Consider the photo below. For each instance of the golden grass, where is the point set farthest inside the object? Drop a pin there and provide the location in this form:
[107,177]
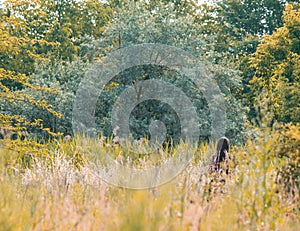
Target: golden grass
[57,193]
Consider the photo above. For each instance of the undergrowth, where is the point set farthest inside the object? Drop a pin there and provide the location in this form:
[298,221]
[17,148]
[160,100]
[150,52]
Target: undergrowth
[53,187]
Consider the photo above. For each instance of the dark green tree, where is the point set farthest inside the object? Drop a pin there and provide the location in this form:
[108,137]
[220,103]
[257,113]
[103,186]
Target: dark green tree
[134,23]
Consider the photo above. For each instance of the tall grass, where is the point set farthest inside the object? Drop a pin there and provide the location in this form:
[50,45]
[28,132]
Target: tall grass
[59,191]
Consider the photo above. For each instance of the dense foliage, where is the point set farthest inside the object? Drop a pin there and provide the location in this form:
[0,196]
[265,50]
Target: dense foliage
[251,48]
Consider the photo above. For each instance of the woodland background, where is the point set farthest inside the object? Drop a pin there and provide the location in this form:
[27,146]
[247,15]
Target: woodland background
[252,47]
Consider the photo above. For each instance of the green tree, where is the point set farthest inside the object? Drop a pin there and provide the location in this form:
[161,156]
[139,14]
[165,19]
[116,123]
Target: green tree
[237,26]
[32,33]
[135,23]
[16,63]
[62,25]
[276,65]
[63,76]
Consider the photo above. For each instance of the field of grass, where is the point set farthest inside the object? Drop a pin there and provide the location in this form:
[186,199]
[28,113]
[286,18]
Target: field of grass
[57,190]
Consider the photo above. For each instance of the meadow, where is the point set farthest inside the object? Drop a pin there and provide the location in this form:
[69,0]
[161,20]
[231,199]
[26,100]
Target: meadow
[55,189]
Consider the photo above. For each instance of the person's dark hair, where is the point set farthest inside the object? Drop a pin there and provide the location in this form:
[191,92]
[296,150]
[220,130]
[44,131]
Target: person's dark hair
[221,155]
[222,149]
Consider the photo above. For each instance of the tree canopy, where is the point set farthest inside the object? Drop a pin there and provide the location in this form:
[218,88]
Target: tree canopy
[250,47]
[276,65]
